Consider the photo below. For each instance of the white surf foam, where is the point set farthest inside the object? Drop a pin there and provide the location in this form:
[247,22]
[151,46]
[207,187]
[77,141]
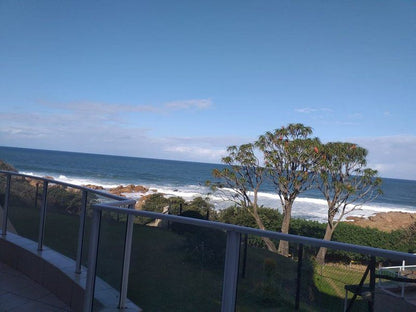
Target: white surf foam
[303,207]
[74,180]
[84,181]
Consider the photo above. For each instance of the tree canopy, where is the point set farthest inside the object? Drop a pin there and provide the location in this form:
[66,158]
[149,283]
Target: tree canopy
[241,181]
[345,182]
[289,156]
[295,161]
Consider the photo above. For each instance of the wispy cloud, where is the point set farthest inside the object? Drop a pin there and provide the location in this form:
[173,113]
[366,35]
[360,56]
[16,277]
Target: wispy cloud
[356,116]
[108,108]
[101,128]
[197,152]
[209,149]
[113,109]
[310,110]
[188,104]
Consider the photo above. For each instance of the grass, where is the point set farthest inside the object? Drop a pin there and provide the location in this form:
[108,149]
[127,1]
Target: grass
[330,280]
[177,272]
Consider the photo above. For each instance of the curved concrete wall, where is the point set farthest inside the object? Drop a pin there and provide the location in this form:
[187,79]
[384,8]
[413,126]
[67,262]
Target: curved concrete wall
[56,273]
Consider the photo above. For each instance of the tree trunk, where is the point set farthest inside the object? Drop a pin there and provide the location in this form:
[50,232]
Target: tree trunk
[320,256]
[269,243]
[284,245]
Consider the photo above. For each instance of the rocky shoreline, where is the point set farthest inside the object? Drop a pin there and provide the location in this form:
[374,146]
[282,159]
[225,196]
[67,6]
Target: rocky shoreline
[121,190]
[383,221]
[386,221]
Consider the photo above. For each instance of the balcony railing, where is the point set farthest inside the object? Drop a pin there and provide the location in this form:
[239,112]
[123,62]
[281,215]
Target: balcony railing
[124,207]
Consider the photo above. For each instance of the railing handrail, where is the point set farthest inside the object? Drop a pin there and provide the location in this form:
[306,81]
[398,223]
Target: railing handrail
[53,181]
[397,267]
[316,242]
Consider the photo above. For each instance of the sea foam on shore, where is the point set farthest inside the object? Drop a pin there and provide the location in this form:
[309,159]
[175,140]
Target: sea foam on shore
[304,207]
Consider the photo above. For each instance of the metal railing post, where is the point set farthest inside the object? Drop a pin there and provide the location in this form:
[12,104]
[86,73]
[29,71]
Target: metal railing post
[126,260]
[6,206]
[372,283]
[232,255]
[299,276]
[43,215]
[81,231]
[243,271]
[92,260]
[36,195]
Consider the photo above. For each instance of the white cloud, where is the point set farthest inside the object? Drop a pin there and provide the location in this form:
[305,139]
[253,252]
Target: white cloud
[310,110]
[305,110]
[108,108]
[87,107]
[188,104]
[197,152]
[392,156]
[102,128]
[356,116]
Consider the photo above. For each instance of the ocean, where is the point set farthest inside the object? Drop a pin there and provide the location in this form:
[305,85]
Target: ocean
[185,179]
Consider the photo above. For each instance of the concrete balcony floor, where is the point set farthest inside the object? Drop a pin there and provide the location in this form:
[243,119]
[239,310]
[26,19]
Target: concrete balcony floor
[19,293]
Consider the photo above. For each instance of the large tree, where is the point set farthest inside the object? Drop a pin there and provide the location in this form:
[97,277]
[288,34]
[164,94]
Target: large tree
[345,182]
[240,182]
[289,155]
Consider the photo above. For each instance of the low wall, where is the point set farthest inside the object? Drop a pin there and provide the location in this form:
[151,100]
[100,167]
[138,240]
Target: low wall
[56,273]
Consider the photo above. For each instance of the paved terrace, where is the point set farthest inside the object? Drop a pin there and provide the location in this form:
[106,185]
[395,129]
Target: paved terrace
[46,279]
[19,293]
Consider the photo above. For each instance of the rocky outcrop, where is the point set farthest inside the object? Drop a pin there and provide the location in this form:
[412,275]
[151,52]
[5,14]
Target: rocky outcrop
[128,189]
[94,187]
[6,167]
[386,221]
[34,182]
[38,182]
[140,202]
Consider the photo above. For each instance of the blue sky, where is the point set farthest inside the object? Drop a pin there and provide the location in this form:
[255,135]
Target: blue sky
[185,79]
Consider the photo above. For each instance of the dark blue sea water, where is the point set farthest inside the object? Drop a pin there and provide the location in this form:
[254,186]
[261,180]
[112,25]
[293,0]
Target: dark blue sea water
[181,178]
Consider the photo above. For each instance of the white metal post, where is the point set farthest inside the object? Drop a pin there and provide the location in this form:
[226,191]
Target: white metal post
[126,260]
[6,206]
[43,215]
[232,255]
[81,231]
[403,284]
[92,260]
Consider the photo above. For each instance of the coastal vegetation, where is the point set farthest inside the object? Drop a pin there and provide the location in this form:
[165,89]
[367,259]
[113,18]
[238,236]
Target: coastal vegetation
[347,232]
[294,162]
[400,239]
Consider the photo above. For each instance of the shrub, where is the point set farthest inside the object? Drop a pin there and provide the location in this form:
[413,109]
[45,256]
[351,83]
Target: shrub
[203,206]
[155,202]
[65,200]
[6,167]
[182,228]
[203,246]
[176,205]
